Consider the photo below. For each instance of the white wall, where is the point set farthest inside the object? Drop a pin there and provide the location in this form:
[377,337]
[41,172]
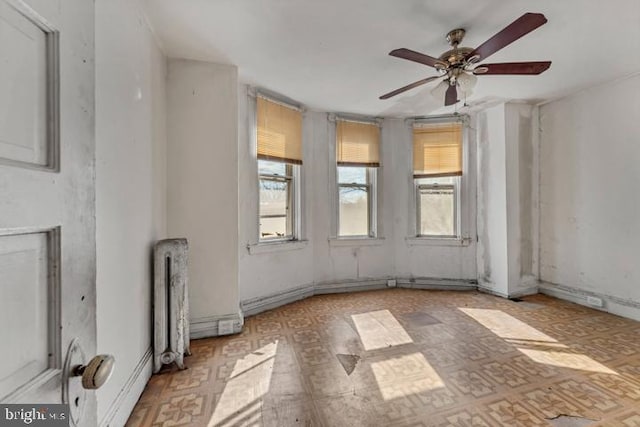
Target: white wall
[353,262]
[493,271]
[202,132]
[321,261]
[275,272]
[506,199]
[316,262]
[520,187]
[130,195]
[589,183]
[412,258]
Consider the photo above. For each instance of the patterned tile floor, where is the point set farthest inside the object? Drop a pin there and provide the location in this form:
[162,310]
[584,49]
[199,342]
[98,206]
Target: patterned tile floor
[422,358]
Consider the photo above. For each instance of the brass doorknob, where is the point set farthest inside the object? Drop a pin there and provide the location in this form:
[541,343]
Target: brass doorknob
[97,372]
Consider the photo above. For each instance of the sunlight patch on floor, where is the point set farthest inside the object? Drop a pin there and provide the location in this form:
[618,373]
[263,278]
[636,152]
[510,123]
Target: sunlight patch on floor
[505,326]
[380,329]
[405,375]
[518,333]
[240,401]
[566,360]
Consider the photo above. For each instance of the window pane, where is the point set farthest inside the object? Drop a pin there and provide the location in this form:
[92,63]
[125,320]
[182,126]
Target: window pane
[352,175]
[441,180]
[354,211]
[266,167]
[273,209]
[437,211]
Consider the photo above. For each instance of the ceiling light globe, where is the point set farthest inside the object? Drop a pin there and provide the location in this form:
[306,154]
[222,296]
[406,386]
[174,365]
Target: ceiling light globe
[439,91]
[466,82]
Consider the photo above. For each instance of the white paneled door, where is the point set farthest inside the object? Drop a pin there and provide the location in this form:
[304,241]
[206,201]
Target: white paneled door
[47,207]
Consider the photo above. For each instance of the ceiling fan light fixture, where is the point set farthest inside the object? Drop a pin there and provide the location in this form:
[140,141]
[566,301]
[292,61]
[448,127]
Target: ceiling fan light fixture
[440,66]
[439,91]
[466,82]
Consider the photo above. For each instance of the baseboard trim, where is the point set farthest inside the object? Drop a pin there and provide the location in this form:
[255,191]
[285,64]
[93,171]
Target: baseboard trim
[257,305]
[530,288]
[206,327]
[484,288]
[122,406]
[349,286]
[432,283]
[614,305]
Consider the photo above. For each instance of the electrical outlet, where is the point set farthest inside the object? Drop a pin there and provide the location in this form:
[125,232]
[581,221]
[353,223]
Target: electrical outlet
[595,301]
[225,327]
[391,283]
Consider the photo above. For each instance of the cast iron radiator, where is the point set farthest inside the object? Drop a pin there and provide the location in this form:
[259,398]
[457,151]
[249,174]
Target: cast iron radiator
[170,303]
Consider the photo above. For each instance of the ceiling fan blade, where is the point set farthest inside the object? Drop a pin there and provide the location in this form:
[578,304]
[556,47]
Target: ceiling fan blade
[512,32]
[537,67]
[408,87]
[451,97]
[414,56]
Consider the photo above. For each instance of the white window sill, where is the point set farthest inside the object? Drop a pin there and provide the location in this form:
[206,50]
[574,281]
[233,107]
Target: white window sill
[277,246]
[356,241]
[435,241]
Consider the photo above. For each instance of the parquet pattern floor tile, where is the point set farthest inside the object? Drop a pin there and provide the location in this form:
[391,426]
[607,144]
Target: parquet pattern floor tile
[422,358]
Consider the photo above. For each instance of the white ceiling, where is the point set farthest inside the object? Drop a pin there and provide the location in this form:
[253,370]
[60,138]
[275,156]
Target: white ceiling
[332,55]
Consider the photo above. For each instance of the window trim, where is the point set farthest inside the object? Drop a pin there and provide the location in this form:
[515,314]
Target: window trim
[372,177]
[291,176]
[299,211]
[276,246]
[355,241]
[288,178]
[456,187]
[332,184]
[465,204]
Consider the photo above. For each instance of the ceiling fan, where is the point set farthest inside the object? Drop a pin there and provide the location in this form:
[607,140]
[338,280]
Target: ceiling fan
[458,67]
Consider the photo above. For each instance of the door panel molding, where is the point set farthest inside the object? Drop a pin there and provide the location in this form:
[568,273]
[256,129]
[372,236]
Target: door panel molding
[40,150]
[29,256]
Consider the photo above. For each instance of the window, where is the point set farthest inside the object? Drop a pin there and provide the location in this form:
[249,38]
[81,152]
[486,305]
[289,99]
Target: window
[276,200]
[355,201]
[279,139]
[358,159]
[437,206]
[437,171]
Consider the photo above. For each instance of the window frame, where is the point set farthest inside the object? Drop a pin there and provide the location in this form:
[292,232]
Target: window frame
[461,200]
[290,179]
[297,239]
[371,187]
[456,208]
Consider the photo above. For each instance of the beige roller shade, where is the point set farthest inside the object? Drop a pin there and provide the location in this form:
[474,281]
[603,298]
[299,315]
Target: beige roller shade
[279,132]
[357,144]
[437,150]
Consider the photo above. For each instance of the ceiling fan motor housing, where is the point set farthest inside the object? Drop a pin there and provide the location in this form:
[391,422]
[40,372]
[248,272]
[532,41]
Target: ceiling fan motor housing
[456,56]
